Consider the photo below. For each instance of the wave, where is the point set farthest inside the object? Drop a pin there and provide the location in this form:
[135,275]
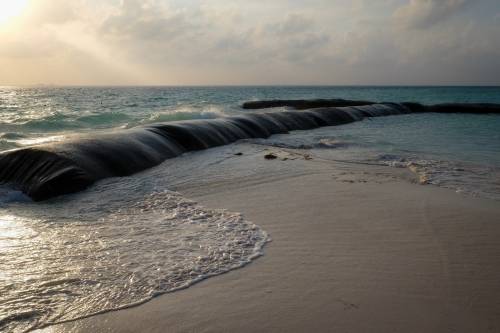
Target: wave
[49,170]
[63,122]
[99,119]
[117,260]
[466,178]
[12,136]
[183,114]
[52,122]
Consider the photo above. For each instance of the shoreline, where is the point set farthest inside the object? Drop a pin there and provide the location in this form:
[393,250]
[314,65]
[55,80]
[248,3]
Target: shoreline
[354,249]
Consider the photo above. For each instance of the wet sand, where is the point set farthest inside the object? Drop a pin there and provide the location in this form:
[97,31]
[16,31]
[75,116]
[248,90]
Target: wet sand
[349,253]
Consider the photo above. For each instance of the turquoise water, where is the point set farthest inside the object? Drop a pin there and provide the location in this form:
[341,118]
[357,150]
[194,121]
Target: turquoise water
[37,111]
[456,151]
[125,240]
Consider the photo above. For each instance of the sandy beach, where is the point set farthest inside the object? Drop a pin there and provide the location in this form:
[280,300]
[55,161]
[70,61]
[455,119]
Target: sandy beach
[354,249]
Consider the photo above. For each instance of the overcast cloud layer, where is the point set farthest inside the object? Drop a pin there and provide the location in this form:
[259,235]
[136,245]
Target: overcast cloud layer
[177,42]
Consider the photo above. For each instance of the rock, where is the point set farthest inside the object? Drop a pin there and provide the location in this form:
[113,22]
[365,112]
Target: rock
[303,104]
[270,156]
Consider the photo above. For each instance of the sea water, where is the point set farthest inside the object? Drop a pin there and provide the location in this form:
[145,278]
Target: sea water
[125,240]
[458,151]
[34,115]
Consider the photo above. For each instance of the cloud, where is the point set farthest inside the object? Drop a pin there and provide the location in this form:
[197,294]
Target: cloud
[44,12]
[292,24]
[138,22]
[257,42]
[422,14]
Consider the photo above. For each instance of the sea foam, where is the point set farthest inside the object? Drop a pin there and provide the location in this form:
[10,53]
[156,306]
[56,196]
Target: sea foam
[70,261]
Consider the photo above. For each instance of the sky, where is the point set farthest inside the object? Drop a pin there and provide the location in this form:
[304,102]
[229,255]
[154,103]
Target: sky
[250,42]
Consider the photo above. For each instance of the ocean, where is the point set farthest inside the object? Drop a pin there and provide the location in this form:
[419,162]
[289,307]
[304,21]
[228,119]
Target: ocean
[125,240]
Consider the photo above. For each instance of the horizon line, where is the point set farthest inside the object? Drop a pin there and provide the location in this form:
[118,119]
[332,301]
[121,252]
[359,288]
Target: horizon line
[43,85]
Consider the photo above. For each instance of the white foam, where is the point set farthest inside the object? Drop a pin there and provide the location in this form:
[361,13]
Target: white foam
[86,259]
[184,113]
[464,178]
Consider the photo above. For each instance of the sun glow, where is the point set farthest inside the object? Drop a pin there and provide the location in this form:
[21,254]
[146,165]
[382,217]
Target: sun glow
[11,8]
